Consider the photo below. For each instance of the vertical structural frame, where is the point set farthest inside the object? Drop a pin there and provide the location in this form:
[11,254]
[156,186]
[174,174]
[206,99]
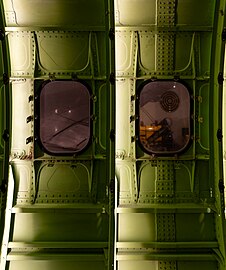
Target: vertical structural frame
[215,117]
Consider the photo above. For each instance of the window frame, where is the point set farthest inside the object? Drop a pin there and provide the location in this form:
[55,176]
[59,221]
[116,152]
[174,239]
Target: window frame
[139,87]
[39,85]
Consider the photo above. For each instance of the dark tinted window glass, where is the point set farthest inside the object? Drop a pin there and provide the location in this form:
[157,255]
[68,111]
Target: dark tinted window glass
[64,117]
[164,117]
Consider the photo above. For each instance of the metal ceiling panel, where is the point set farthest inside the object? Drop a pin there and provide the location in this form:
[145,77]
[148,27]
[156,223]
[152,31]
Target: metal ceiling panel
[82,13]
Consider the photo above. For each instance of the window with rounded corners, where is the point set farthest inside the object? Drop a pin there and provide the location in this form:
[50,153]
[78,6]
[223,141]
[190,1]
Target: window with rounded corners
[164,117]
[64,117]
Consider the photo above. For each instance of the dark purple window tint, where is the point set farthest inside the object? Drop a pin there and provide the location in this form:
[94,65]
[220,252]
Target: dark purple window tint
[64,117]
[164,117]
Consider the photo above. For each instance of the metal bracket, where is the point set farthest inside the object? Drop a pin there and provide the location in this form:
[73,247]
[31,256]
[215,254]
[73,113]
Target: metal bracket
[111,34]
[112,186]
[134,138]
[112,135]
[221,186]
[219,135]
[29,140]
[133,118]
[30,98]
[112,78]
[30,118]
[223,34]
[134,97]
[220,78]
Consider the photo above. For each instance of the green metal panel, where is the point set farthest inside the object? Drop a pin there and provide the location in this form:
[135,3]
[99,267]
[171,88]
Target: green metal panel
[61,227]
[60,208]
[55,13]
[165,201]
[70,265]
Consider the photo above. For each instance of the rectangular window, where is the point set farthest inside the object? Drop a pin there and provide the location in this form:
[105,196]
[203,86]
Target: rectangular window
[164,117]
[64,120]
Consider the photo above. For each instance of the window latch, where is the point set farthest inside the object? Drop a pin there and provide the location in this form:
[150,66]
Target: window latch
[29,140]
[30,118]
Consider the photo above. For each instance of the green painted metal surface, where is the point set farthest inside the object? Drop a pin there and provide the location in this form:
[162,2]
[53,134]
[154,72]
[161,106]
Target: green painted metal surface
[166,200]
[114,205]
[61,205]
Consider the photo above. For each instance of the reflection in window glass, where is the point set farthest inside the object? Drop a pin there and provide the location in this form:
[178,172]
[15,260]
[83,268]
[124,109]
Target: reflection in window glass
[164,117]
[64,117]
